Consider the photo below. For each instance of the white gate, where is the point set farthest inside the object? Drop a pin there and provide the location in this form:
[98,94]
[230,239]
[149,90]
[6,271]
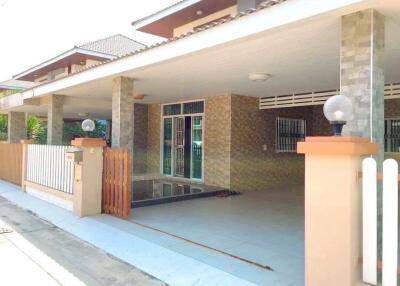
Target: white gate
[47,166]
[390,206]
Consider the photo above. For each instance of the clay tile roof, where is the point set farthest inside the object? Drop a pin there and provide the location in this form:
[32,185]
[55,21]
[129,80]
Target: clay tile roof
[116,45]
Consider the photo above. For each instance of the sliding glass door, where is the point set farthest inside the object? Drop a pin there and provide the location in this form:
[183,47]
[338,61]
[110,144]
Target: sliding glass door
[182,141]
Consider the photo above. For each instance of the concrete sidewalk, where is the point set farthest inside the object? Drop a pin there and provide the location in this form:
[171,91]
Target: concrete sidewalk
[144,249]
[36,252]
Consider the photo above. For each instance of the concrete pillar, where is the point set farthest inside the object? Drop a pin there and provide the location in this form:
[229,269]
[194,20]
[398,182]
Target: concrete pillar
[333,208]
[55,120]
[362,74]
[16,127]
[88,176]
[122,112]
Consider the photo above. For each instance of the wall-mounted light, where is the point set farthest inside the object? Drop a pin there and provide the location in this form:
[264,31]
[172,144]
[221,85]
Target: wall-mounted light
[338,110]
[259,77]
[138,96]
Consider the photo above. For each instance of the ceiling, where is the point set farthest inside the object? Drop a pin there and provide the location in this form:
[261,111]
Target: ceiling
[303,57]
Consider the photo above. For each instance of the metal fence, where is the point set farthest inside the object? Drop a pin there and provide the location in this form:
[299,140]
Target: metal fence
[47,166]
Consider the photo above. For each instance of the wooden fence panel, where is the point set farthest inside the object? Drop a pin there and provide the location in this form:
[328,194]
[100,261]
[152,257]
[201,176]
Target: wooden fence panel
[117,177]
[11,163]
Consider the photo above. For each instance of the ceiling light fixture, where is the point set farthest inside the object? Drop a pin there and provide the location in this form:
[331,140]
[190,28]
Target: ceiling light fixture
[138,96]
[259,77]
[199,12]
[83,114]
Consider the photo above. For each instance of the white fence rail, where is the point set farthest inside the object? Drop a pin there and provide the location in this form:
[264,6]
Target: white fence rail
[46,166]
[390,222]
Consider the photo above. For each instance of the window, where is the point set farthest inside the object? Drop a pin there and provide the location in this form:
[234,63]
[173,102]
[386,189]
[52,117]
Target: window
[392,135]
[192,107]
[288,133]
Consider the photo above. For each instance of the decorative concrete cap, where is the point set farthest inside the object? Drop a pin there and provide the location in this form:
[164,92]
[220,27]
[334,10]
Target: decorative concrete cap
[88,142]
[337,145]
[27,141]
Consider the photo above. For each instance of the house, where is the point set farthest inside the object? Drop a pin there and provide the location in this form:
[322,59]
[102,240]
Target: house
[72,61]
[222,82]
[226,97]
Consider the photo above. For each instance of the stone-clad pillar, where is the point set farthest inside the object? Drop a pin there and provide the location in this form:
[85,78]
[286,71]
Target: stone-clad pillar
[122,112]
[16,127]
[55,120]
[362,74]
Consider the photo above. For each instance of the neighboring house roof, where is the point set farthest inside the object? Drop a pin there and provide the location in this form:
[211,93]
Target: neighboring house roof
[104,49]
[116,45]
[13,84]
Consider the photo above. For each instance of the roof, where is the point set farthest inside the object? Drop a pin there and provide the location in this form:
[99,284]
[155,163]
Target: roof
[164,12]
[267,4]
[104,49]
[116,45]
[16,84]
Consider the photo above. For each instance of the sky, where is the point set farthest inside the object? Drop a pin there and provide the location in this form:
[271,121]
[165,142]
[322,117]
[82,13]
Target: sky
[32,31]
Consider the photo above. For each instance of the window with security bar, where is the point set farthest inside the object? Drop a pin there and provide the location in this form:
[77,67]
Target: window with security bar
[392,135]
[288,132]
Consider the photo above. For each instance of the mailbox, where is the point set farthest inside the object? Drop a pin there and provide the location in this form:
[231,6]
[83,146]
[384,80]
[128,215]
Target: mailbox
[74,154]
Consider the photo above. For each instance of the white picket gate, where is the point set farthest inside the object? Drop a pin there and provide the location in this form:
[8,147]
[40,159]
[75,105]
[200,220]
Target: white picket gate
[47,166]
[390,222]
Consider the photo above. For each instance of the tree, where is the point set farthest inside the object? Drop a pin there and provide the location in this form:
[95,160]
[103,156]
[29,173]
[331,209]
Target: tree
[3,127]
[36,129]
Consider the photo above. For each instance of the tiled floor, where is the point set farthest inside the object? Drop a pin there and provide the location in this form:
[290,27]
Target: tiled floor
[264,227]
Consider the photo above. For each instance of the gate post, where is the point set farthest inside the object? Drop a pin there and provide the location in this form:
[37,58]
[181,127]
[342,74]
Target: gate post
[88,177]
[24,162]
[333,208]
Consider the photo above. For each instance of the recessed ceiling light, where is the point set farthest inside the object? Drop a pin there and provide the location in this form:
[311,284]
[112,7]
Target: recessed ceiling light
[259,77]
[82,63]
[199,12]
[83,114]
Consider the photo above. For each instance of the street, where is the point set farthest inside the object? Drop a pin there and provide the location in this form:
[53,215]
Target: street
[46,255]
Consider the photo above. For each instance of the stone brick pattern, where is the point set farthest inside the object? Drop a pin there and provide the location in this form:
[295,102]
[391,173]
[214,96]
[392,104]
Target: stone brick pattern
[392,108]
[16,127]
[217,140]
[122,115]
[153,138]
[253,168]
[140,133]
[55,121]
[362,75]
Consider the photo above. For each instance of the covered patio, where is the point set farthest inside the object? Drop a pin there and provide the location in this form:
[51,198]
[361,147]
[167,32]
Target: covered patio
[266,229]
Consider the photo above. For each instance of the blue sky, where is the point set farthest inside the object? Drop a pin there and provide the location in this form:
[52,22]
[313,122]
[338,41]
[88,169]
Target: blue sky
[33,31]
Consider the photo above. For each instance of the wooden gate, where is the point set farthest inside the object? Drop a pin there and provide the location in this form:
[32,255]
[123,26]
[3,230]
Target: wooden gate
[11,163]
[117,181]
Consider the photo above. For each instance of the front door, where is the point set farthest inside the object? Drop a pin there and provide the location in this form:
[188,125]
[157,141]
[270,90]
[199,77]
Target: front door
[183,146]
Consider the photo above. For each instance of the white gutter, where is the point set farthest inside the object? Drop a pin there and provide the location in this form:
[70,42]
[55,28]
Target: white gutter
[273,17]
[163,13]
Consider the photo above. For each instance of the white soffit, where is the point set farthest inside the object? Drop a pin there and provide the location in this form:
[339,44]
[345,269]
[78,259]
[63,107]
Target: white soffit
[273,17]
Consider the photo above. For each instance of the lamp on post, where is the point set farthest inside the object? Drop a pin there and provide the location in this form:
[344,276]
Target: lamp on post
[338,110]
[88,125]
